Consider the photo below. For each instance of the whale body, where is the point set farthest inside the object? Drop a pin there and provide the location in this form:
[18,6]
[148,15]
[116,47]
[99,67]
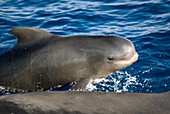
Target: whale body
[42,60]
[73,102]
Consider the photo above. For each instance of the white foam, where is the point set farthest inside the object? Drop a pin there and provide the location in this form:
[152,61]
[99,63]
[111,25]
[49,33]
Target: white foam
[114,83]
[2,88]
[147,71]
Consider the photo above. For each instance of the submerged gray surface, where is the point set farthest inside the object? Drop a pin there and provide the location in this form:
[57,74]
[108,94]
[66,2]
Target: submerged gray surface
[74,102]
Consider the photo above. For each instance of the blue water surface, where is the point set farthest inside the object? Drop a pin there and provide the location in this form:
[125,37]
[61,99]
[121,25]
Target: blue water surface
[145,22]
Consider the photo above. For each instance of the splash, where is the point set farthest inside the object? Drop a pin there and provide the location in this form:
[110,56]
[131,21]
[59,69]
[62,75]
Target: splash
[118,82]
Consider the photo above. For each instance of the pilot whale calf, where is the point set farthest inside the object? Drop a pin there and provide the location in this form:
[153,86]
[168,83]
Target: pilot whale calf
[42,60]
[74,102]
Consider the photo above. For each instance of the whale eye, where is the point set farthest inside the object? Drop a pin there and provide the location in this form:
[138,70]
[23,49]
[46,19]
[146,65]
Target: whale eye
[110,59]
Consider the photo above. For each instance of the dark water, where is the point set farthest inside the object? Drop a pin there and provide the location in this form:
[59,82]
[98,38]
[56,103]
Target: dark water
[146,23]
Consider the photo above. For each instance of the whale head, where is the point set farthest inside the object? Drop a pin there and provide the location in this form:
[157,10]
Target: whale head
[107,54]
[103,54]
[121,53]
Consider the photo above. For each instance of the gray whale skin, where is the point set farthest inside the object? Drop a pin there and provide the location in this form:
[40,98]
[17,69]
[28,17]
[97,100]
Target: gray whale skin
[42,60]
[74,102]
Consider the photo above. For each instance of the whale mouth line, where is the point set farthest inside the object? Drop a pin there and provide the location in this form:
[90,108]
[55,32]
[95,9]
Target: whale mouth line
[121,64]
[133,59]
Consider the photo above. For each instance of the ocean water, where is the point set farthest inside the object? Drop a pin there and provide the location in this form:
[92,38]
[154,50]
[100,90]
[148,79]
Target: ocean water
[145,22]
